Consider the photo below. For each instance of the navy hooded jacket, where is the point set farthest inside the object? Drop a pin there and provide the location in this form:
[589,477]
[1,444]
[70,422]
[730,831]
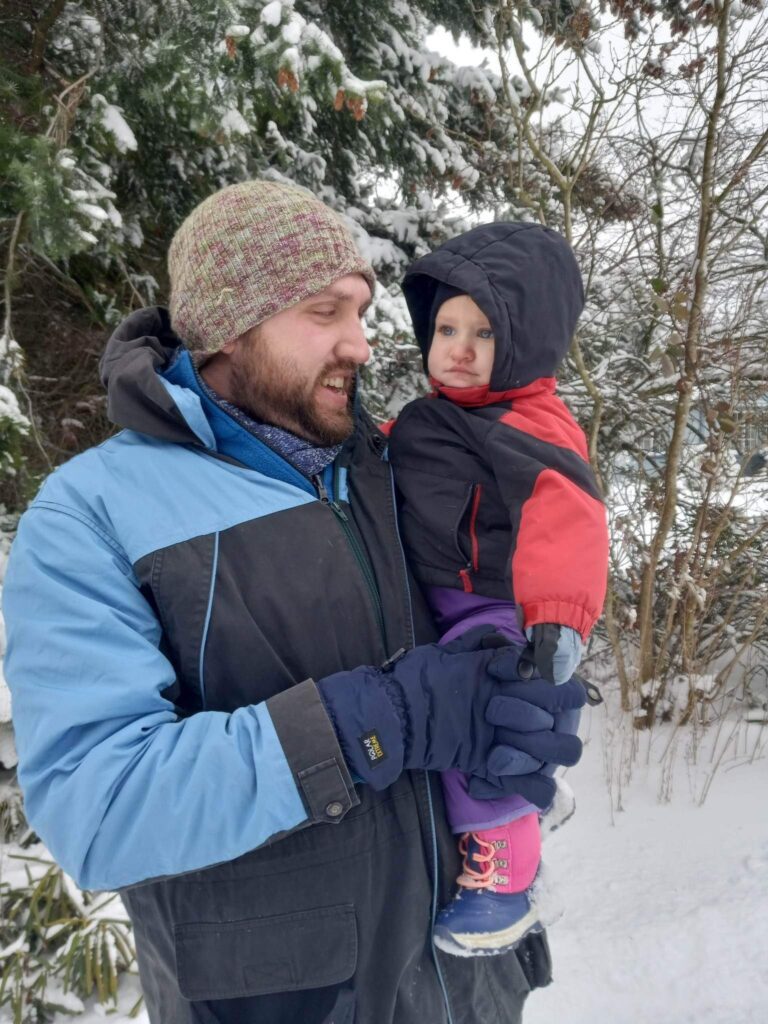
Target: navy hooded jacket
[497,496]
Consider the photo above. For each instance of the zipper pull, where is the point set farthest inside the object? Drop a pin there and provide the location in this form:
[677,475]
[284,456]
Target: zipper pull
[393,660]
[339,511]
[466,578]
[322,494]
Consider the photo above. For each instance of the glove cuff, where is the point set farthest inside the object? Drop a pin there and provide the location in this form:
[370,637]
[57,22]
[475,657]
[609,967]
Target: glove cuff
[368,720]
[563,612]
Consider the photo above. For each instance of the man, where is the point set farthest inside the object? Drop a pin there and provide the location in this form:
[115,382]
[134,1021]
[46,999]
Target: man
[171,599]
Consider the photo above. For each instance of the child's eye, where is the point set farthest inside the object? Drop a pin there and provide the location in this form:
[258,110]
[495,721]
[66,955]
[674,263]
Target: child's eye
[446,330]
[486,333]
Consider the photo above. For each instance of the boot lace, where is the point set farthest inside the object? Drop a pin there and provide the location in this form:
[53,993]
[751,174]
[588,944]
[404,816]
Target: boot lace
[485,854]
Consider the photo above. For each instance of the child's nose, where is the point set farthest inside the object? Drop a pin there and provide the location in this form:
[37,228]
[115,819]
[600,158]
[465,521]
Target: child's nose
[463,351]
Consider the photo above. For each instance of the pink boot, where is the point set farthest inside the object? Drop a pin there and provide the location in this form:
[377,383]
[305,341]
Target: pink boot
[492,910]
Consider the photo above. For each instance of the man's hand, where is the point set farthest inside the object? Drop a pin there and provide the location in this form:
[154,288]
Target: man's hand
[455,706]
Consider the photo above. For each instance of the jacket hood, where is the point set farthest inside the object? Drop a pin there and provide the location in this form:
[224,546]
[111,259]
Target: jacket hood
[137,399]
[524,278]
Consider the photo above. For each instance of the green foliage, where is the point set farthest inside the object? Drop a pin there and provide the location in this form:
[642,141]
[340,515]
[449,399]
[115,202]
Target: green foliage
[12,437]
[60,946]
[14,425]
[138,111]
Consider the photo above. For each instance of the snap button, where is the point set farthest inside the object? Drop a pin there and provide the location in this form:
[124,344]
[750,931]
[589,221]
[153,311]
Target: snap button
[334,809]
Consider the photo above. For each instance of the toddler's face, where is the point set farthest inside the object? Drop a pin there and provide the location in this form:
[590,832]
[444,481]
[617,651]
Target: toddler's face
[461,354]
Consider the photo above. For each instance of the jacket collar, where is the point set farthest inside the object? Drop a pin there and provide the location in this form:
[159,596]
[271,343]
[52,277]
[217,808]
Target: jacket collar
[153,388]
[472,398]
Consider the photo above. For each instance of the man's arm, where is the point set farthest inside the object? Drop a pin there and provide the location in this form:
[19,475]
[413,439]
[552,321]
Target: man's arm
[117,785]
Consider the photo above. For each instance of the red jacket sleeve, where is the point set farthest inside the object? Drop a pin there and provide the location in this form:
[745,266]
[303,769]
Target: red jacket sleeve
[560,555]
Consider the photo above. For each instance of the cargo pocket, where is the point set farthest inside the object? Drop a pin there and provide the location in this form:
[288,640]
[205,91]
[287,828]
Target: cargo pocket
[310,949]
[511,977]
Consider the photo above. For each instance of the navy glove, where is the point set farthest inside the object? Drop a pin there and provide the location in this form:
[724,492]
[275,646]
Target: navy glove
[555,650]
[426,708]
[516,769]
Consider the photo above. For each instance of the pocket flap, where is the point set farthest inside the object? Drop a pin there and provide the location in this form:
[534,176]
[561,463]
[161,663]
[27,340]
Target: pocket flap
[225,960]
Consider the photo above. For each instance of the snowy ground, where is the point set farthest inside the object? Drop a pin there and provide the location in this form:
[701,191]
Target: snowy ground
[666,899]
[666,902]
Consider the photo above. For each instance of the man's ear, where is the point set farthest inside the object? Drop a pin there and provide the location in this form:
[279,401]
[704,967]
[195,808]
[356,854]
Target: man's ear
[214,366]
[246,338]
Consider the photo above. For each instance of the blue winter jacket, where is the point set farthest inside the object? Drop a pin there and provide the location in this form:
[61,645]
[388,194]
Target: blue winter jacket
[169,598]
[107,736]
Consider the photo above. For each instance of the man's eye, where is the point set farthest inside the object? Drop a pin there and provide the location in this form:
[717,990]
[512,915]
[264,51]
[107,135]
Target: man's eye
[324,312]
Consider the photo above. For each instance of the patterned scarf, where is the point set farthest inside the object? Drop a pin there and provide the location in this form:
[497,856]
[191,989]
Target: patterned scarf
[310,459]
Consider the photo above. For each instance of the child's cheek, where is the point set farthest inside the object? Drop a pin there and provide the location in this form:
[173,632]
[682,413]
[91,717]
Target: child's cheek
[433,364]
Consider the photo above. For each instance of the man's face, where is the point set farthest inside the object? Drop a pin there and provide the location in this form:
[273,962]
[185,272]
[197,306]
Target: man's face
[297,369]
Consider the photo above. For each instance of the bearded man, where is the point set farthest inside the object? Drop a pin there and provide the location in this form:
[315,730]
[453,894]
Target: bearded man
[226,698]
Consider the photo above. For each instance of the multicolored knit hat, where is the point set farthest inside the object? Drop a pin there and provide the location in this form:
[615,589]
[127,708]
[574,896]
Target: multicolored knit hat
[250,251]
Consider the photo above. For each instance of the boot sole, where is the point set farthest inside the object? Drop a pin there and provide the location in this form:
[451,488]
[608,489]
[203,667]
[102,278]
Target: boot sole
[488,943]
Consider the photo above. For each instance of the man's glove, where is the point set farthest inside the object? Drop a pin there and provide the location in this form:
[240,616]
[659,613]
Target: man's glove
[555,650]
[452,706]
[529,777]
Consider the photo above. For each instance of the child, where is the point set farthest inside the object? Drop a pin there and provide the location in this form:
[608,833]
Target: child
[501,518]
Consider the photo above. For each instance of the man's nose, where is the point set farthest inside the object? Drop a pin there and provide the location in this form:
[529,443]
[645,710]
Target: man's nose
[353,344]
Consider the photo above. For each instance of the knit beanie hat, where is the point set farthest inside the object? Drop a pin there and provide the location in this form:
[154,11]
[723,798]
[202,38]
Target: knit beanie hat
[250,251]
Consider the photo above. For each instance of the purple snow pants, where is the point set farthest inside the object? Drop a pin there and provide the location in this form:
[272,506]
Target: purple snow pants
[455,612]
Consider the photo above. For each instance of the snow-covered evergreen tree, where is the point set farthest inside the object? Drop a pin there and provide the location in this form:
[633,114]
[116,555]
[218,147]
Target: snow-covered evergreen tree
[125,116]
[120,119]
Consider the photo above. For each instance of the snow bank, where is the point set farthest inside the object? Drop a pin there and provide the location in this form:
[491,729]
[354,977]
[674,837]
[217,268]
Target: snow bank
[665,902]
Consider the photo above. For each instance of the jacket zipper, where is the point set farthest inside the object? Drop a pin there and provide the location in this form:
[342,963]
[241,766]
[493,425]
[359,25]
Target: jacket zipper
[357,551]
[473,539]
[465,574]
[430,807]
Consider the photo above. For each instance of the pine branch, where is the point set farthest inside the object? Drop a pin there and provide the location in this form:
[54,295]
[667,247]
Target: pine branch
[40,39]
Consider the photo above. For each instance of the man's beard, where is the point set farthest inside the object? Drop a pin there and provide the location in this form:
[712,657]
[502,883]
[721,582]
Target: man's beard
[272,391]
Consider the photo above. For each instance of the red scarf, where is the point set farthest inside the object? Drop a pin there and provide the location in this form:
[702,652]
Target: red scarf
[471,398]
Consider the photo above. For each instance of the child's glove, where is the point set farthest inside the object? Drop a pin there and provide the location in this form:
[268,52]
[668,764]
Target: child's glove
[556,650]
[522,766]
